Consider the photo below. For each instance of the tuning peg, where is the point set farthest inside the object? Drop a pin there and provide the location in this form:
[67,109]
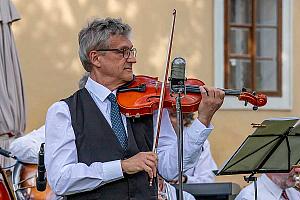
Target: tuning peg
[254,93]
[255,108]
[246,103]
[244,89]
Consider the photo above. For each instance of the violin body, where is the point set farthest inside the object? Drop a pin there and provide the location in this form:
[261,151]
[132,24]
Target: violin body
[143,93]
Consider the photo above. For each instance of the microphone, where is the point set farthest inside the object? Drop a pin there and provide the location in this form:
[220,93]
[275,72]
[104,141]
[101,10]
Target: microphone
[41,181]
[7,154]
[177,77]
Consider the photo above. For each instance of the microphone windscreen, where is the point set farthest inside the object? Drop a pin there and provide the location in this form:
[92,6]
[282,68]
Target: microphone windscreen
[178,68]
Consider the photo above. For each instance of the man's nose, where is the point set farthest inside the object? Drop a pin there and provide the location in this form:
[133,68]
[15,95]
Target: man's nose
[131,59]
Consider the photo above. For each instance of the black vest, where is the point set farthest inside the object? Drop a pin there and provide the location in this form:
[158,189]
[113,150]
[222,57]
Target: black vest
[96,142]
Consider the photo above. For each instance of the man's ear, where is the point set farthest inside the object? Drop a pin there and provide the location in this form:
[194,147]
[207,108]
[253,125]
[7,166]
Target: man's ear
[94,58]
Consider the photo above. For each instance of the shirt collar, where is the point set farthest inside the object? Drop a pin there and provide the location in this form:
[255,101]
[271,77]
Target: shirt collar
[271,186]
[100,91]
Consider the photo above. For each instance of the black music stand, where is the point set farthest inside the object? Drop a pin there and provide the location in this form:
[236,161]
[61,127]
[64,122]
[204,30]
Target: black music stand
[273,147]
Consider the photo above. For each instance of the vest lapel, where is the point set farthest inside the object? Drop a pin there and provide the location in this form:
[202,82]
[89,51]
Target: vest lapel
[101,119]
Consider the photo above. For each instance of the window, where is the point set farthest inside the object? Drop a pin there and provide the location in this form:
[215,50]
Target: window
[252,48]
[252,45]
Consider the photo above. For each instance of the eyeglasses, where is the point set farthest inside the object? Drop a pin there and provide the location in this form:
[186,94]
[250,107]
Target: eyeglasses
[126,52]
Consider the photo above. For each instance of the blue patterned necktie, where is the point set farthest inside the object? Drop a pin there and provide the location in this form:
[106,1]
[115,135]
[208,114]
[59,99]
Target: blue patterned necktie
[116,121]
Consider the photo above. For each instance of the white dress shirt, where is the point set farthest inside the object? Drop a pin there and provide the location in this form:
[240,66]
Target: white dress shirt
[194,138]
[198,163]
[26,148]
[67,176]
[266,190]
[202,172]
[171,193]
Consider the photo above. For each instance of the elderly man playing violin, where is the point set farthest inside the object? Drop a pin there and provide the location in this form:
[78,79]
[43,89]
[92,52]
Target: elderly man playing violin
[92,150]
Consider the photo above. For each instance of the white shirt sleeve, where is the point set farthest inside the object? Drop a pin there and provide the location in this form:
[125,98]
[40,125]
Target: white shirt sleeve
[26,148]
[202,172]
[65,174]
[172,193]
[194,138]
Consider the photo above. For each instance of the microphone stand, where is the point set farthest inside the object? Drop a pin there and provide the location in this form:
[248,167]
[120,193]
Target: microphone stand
[180,141]
[177,87]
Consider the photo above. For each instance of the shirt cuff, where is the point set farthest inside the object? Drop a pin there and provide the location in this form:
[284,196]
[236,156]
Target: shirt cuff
[112,170]
[198,132]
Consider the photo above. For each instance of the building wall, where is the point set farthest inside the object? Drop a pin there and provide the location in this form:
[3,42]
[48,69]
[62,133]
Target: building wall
[46,38]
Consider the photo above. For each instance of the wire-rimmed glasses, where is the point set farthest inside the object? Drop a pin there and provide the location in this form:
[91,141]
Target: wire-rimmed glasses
[125,52]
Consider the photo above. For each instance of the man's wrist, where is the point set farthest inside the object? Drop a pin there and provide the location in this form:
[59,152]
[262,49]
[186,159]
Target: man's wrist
[204,121]
[123,162]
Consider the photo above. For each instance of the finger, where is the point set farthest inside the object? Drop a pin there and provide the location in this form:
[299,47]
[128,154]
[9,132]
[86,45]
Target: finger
[203,91]
[152,166]
[210,92]
[152,158]
[148,170]
[150,163]
[219,94]
[150,153]
[154,171]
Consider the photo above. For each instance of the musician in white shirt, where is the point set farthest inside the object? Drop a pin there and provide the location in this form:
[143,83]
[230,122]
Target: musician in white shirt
[202,172]
[108,54]
[272,186]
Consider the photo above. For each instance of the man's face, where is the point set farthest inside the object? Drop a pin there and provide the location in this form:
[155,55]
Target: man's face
[187,118]
[283,180]
[114,69]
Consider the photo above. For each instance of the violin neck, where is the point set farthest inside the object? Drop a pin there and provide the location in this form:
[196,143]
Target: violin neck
[195,89]
[231,92]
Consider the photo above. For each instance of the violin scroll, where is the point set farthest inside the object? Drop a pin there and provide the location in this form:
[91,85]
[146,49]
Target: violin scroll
[258,100]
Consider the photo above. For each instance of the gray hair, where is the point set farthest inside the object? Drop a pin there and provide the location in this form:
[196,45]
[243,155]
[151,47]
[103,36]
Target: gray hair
[95,36]
[83,80]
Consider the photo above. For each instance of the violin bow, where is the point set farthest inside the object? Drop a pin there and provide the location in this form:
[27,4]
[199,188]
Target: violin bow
[163,88]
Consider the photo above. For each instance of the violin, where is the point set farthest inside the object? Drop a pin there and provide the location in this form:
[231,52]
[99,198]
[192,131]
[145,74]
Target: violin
[141,96]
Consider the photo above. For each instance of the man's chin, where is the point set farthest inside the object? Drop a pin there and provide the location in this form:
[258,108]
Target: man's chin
[129,77]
